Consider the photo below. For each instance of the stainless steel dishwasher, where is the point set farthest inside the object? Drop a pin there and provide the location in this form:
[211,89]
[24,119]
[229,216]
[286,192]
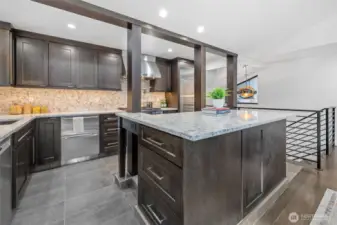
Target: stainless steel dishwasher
[79,139]
[5,182]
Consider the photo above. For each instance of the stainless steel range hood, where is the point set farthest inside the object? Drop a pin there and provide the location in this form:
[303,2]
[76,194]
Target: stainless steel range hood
[150,69]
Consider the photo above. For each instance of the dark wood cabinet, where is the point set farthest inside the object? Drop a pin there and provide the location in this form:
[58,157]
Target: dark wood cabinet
[22,155]
[109,134]
[5,57]
[62,65]
[87,68]
[162,84]
[31,62]
[110,67]
[48,151]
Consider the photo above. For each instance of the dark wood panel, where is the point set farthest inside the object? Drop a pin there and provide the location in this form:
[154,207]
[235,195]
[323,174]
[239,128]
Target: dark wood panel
[212,180]
[5,57]
[274,154]
[252,167]
[173,96]
[31,62]
[109,71]
[164,144]
[62,65]
[87,68]
[158,171]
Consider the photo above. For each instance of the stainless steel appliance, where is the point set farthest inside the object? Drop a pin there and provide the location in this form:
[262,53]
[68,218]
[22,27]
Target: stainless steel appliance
[5,182]
[186,71]
[79,139]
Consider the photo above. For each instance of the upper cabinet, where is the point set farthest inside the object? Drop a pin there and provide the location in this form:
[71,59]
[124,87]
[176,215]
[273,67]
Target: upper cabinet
[43,61]
[162,84]
[5,57]
[62,65]
[87,69]
[31,62]
[110,68]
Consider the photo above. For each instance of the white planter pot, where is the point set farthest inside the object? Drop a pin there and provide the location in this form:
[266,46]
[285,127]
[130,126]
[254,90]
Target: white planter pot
[218,103]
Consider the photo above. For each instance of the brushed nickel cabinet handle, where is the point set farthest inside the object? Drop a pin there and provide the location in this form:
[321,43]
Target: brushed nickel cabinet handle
[112,129]
[160,221]
[154,142]
[150,169]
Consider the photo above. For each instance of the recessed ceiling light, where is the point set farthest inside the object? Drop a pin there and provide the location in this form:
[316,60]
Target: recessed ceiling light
[169,50]
[71,26]
[163,13]
[201,29]
[184,38]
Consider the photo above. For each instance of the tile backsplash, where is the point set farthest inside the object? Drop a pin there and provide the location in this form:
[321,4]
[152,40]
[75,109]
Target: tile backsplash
[64,100]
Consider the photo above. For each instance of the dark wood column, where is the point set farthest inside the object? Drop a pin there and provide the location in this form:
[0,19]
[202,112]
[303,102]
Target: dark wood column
[134,68]
[232,76]
[199,78]
[128,140]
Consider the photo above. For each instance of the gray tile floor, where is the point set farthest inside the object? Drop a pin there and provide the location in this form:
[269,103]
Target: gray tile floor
[81,194]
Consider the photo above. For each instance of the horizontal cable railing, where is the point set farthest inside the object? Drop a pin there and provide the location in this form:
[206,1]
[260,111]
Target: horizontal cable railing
[310,134]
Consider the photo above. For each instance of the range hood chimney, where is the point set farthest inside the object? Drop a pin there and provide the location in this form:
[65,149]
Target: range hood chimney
[149,68]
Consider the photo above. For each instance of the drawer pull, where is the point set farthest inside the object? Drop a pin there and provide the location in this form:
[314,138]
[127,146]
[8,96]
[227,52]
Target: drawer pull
[112,129]
[155,174]
[114,143]
[160,221]
[110,118]
[155,142]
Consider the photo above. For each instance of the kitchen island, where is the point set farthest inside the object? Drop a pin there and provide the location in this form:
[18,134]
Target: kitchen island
[197,169]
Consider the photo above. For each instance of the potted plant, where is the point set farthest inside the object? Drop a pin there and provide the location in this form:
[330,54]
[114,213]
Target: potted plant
[218,96]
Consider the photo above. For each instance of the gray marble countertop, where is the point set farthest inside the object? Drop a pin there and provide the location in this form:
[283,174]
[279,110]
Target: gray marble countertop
[196,126]
[22,120]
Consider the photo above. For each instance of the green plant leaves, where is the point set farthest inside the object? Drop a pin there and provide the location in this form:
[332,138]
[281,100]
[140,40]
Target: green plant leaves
[218,93]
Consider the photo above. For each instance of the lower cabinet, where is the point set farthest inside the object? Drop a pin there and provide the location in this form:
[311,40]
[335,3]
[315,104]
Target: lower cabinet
[109,134]
[22,161]
[48,143]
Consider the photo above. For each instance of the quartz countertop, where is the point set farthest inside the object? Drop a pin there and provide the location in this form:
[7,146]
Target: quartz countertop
[22,120]
[196,126]
[168,109]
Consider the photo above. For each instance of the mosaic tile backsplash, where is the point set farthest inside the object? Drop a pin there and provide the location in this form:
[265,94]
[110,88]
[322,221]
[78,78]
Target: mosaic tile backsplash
[63,100]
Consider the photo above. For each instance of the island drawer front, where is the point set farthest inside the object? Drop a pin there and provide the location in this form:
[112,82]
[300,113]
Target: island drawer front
[155,208]
[166,145]
[110,118]
[162,174]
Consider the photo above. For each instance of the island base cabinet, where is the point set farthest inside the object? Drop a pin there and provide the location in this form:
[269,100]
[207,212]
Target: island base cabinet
[156,210]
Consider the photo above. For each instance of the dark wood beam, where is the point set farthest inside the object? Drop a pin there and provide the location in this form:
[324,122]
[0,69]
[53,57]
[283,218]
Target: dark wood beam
[134,68]
[102,14]
[5,25]
[232,77]
[199,78]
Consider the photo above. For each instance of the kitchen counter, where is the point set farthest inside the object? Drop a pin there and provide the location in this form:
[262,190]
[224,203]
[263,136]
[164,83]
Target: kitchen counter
[169,109]
[196,126]
[22,120]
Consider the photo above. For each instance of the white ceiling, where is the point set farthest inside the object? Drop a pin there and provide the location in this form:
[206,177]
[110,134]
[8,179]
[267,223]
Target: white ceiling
[257,30]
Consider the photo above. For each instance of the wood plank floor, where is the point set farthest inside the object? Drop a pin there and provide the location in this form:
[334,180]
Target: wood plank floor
[303,194]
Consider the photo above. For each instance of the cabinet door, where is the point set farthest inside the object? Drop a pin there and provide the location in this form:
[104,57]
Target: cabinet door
[62,65]
[6,187]
[21,167]
[31,62]
[48,141]
[162,84]
[5,57]
[109,71]
[274,154]
[252,167]
[87,68]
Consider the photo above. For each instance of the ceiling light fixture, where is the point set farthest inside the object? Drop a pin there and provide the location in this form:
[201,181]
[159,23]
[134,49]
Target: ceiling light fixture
[71,26]
[201,29]
[169,50]
[163,13]
[184,38]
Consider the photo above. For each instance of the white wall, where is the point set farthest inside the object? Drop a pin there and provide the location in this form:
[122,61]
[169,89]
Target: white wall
[305,80]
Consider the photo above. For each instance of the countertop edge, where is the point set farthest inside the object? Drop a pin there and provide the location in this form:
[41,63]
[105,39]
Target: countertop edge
[204,136]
